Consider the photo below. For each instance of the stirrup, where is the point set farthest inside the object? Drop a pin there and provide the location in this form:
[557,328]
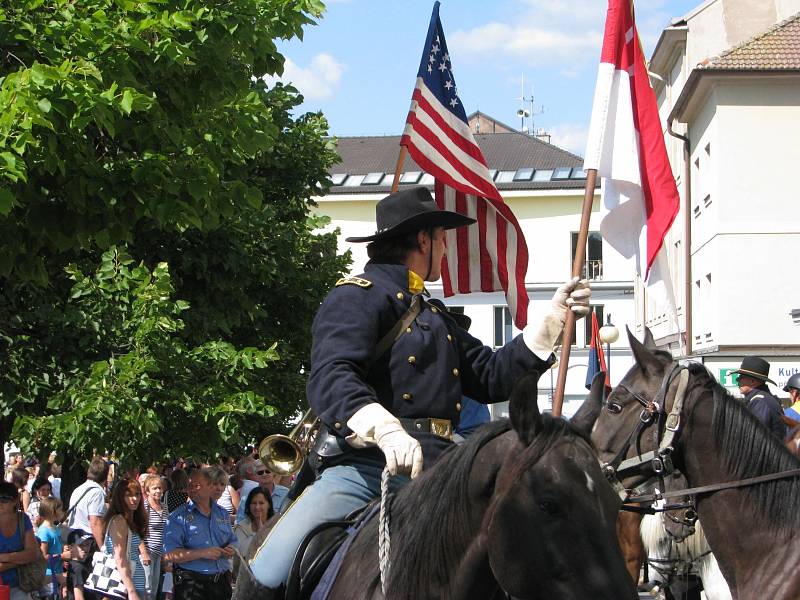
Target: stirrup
[248,588]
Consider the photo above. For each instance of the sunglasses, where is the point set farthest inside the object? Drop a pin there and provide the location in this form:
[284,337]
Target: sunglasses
[7,499]
[264,472]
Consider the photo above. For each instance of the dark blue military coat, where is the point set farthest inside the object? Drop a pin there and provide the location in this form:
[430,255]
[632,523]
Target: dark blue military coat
[767,408]
[425,372]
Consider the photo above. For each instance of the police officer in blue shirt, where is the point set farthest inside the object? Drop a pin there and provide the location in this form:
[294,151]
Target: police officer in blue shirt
[198,540]
[388,370]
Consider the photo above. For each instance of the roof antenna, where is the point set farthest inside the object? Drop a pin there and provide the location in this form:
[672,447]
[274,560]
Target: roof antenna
[524,113]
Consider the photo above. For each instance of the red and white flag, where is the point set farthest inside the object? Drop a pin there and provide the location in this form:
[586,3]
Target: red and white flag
[490,255]
[626,146]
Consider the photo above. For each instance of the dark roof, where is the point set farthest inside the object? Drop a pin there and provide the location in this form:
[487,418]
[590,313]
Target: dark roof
[777,48]
[775,51]
[503,152]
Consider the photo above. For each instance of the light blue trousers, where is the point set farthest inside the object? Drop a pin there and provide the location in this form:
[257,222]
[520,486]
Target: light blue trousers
[337,492]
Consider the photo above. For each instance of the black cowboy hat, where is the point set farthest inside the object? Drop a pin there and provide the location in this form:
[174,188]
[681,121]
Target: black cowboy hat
[754,367]
[411,210]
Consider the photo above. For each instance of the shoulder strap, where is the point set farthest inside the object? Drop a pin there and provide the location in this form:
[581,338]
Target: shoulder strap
[72,508]
[21,529]
[396,331]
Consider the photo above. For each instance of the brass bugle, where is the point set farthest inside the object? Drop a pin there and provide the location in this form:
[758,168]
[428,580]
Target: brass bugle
[284,454]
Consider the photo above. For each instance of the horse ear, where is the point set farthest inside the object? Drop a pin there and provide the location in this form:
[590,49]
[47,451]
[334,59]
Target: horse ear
[523,409]
[587,414]
[644,356]
[649,341]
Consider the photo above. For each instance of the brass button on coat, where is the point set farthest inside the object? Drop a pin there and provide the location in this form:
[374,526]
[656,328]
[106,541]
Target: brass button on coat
[337,425]
[412,360]
[400,295]
[449,338]
[434,310]
[406,396]
[455,372]
[408,329]
[458,405]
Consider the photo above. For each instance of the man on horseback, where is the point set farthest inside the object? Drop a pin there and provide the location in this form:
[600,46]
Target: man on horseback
[752,381]
[389,367]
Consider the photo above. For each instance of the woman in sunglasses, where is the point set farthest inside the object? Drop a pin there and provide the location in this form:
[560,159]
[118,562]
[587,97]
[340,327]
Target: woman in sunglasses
[18,546]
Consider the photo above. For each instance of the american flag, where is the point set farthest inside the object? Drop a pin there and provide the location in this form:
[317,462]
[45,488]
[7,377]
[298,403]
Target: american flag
[490,255]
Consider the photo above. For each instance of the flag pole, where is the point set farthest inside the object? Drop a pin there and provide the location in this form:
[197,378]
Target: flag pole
[577,269]
[401,159]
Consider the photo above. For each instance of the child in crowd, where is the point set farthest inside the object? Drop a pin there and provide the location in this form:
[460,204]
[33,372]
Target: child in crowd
[49,536]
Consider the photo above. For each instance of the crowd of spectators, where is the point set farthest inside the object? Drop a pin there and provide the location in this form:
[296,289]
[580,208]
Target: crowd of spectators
[147,520]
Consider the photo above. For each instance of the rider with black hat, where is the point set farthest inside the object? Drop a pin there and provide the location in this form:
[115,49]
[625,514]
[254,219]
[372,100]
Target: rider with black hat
[389,367]
[753,378]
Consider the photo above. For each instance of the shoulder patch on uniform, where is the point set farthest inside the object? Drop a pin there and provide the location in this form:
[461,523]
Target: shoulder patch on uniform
[359,281]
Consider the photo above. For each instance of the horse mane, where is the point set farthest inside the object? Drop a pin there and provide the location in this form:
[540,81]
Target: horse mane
[436,508]
[749,449]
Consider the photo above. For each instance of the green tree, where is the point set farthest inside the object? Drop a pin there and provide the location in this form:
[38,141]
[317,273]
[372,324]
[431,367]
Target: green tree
[152,382]
[141,134]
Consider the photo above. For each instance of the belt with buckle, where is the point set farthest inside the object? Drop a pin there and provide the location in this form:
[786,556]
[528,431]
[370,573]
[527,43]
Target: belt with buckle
[441,427]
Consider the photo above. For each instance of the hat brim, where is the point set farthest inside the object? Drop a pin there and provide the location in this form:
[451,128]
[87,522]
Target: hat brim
[754,375]
[440,218]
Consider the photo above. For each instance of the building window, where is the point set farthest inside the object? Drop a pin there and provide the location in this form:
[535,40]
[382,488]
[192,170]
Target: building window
[587,326]
[503,326]
[593,263]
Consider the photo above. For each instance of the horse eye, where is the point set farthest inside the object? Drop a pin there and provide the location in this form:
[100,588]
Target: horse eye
[548,506]
[613,408]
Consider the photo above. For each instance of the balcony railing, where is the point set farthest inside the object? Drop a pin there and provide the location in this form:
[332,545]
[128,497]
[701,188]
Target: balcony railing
[593,269]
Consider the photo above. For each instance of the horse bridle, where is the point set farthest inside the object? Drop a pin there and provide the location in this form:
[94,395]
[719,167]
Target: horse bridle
[656,464]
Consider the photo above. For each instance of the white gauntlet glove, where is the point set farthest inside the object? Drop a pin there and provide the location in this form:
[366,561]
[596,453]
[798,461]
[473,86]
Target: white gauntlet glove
[374,425]
[574,294]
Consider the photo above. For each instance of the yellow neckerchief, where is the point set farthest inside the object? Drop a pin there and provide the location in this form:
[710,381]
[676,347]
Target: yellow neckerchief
[415,283]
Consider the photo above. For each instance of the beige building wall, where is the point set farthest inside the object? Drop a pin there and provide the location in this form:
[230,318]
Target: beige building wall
[745,223]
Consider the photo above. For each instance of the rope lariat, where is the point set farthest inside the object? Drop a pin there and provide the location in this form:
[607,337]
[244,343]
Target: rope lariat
[383,530]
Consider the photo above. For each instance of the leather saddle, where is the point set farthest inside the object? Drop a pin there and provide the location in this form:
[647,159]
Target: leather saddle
[318,549]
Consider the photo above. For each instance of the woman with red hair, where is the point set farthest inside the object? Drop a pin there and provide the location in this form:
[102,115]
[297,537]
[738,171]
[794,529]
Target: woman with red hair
[125,522]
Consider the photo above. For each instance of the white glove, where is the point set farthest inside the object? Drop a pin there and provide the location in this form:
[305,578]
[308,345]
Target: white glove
[374,425]
[574,294]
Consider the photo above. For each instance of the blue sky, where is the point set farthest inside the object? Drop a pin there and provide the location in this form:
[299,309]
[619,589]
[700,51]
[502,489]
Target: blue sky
[358,64]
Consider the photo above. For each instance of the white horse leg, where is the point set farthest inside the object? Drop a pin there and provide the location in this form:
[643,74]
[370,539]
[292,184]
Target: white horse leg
[714,584]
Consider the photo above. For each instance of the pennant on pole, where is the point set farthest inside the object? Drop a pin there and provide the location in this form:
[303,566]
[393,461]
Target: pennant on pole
[597,358]
[490,255]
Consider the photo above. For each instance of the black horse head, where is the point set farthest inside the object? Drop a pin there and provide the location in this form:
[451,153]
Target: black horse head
[550,489]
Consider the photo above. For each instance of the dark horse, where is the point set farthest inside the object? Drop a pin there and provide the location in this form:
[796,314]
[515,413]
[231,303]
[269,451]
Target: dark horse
[752,530]
[521,508]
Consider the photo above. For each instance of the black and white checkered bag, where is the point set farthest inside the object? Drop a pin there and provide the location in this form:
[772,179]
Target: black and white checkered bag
[105,578]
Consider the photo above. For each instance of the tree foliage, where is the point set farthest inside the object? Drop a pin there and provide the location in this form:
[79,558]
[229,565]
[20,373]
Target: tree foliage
[152,382]
[160,266]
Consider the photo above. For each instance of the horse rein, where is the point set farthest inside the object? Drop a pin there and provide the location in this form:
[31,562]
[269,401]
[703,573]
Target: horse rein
[658,462]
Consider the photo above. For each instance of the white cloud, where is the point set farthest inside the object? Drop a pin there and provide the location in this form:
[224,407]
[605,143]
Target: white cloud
[318,81]
[534,45]
[561,35]
[570,136]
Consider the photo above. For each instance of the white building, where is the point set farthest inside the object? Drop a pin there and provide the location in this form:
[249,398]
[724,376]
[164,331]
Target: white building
[543,185]
[727,78]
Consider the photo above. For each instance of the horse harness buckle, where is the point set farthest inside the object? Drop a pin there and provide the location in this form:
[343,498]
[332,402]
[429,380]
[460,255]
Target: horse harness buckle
[662,464]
